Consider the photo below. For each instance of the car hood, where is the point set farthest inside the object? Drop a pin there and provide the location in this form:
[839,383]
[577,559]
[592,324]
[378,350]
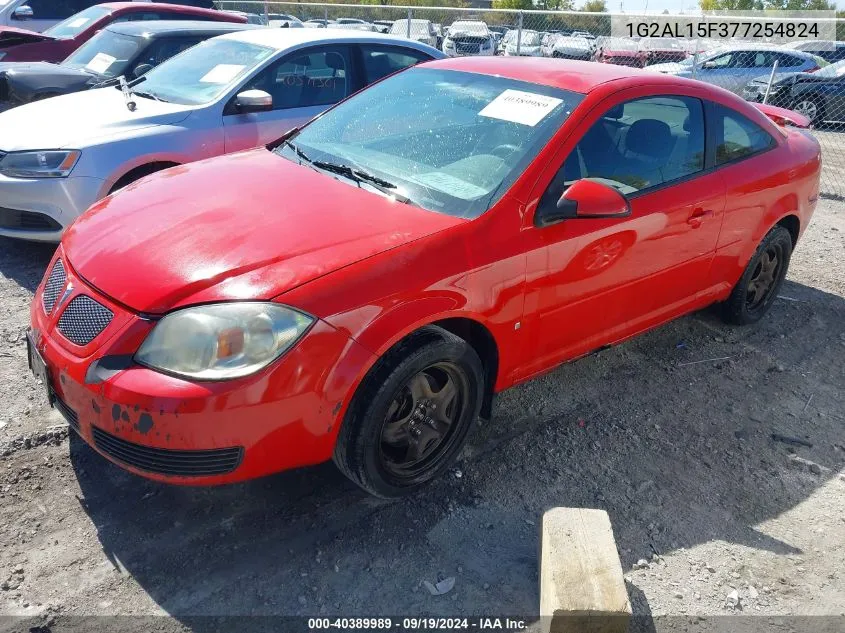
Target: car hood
[10,36]
[672,68]
[250,225]
[787,78]
[22,79]
[77,120]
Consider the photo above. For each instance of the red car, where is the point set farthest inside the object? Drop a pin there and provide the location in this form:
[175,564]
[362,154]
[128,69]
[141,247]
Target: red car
[662,50]
[361,290]
[620,51]
[59,41]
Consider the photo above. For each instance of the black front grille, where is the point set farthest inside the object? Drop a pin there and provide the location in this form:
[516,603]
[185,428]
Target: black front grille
[27,220]
[84,319]
[467,48]
[166,461]
[67,413]
[55,283]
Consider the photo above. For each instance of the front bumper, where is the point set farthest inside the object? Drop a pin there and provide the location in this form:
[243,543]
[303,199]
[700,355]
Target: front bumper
[174,430]
[51,203]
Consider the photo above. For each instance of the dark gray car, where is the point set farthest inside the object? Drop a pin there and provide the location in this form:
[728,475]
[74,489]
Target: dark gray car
[125,48]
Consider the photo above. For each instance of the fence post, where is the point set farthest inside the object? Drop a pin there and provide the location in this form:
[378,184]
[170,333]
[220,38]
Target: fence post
[771,79]
[695,60]
[519,34]
[326,15]
[410,17]
[266,13]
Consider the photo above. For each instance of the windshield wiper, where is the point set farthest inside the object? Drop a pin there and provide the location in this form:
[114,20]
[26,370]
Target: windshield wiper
[359,176]
[127,94]
[148,95]
[303,157]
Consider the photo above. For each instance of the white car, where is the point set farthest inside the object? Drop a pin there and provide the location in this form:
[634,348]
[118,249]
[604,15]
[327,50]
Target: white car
[285,21]
[469,37]
[229,93]
[526,44]
[355,24]
[419,30]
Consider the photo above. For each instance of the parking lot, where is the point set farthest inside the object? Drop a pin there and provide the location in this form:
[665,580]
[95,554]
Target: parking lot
[671,433]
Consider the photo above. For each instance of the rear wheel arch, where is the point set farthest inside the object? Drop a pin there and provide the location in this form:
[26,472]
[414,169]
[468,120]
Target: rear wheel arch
[139,172]
[792,224]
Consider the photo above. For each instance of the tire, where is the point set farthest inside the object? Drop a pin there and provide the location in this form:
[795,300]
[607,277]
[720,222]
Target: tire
[387,425]
[758,287]
[811,107]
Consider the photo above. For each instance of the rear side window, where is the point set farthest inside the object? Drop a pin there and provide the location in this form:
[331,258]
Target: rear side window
[380,61]
[737,137]
[789,61]
[638,145]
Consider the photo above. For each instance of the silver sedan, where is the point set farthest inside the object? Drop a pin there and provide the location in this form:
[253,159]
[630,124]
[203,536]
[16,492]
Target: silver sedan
[229,93]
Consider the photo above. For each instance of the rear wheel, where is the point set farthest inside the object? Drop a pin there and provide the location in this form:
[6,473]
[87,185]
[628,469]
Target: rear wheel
[411,416]
[759,285]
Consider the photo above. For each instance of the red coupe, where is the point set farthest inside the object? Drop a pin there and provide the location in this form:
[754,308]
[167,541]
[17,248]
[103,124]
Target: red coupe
[59,41]
[360,290]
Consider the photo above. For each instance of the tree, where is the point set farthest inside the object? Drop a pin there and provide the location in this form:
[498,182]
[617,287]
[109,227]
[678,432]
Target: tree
[761,5]
[595,6]
[513,5]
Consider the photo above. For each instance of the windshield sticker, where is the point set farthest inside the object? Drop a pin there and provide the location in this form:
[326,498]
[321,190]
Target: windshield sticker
[516,106]
[75,24]
[100,63]
[451,185]
[222,74]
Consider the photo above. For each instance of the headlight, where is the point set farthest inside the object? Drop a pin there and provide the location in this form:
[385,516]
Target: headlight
[222,341]
[2,55]
[447,43]
[39,164]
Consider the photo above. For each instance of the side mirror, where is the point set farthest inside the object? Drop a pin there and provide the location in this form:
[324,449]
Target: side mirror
[585,198]
[709,65]
[23,12]
[142,69]
[253,101]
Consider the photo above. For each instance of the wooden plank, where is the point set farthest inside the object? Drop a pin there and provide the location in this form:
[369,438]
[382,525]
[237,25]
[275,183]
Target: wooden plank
[581,584]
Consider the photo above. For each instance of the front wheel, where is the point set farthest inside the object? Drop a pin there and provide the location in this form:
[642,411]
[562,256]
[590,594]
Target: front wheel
[757,289]
[411,415]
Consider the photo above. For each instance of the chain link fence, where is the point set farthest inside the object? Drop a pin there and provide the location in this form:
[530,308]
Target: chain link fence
[760,59]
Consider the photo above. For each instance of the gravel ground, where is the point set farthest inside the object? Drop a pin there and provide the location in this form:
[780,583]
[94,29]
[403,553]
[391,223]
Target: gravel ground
[712,516]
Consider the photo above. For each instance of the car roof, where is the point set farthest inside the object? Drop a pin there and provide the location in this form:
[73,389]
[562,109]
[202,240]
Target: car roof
[157,28]
[150,6]
[576,76]
[282,39]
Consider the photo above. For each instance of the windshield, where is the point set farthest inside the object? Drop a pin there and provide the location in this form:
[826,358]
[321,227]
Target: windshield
[831,71]
[619,44]
[106,54]
[451,142]
[529,38]
[477,28]
[417,26]
[75,24]
[202,73]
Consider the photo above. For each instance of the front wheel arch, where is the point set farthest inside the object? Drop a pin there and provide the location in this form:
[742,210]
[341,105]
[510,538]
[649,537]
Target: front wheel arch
[136,173]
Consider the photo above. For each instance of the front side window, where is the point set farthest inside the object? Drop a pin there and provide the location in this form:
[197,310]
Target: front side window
[381,61]
[737,137]
[449,141]
[638,145]
[75,24]
[304,79]
[203,72]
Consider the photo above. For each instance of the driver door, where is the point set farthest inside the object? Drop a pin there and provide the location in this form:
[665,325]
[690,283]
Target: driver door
[303,84]
[596,281]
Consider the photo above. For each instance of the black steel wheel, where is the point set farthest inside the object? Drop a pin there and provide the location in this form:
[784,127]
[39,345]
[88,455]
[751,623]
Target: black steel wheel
[762,279]
[411,416]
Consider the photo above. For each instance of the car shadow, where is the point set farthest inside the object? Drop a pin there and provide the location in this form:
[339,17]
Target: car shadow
[25,262]
[670,433]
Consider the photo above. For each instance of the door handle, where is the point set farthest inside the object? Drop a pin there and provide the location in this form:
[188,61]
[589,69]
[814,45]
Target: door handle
[698,216]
